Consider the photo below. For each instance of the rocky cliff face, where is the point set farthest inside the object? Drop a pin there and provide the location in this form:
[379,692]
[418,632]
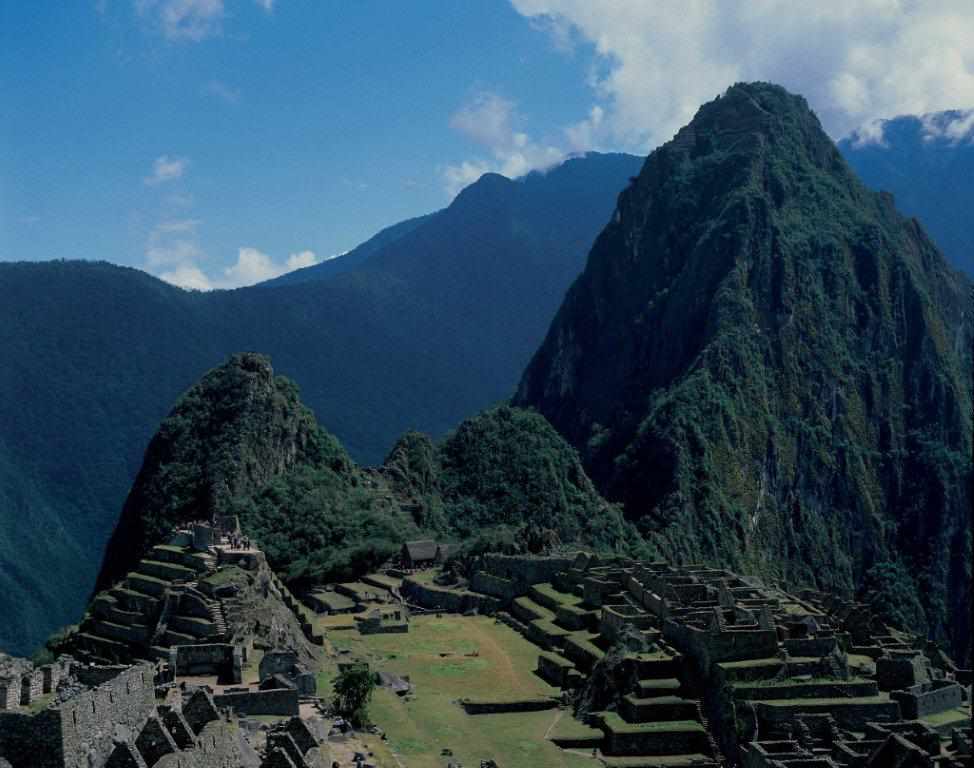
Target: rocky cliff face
[770,367]
[239,427]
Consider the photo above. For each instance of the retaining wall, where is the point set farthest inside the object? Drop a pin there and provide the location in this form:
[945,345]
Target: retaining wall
[481,707]
[452,601]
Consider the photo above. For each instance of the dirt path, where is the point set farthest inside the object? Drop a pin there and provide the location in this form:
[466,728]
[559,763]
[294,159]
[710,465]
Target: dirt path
[547,734]
[504,666]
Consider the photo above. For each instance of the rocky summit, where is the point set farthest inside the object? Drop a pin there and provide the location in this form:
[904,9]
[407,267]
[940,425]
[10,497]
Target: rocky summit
[770,367]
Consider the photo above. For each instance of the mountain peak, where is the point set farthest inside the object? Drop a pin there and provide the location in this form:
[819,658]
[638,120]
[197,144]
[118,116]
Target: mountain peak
[229,434]
[738,328]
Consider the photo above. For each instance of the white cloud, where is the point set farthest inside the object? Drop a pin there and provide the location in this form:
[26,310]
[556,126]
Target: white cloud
[165,169]
[492,121]
[955,127]
[187,276]
[253,266]
[173,253]
[302,260]
[185,20]
[855,60]
[870,132]
[267,5]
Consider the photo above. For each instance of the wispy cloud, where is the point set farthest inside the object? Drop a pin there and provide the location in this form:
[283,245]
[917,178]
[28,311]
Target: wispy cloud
[185,20]
[492,121]
[166,168]
[228,94]
[173,244]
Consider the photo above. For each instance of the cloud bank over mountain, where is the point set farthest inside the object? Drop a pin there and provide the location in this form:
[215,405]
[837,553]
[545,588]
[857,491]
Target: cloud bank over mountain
[855,60]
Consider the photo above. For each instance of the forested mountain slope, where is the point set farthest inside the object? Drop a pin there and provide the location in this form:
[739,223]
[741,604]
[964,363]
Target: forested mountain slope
[770,367]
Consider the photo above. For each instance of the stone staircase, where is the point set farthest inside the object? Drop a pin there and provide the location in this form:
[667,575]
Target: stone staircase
[705,721]
[219,620]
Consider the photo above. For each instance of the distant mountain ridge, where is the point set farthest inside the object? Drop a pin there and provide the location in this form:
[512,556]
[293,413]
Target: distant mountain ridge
[770,367]
[434,324]
[355,258]
[930,172]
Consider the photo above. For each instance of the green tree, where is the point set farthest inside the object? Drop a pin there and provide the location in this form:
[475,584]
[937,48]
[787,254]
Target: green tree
[353,691]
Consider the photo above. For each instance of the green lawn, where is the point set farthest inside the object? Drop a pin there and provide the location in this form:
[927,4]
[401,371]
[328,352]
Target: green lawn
[561,597]
[957,715]
[448,658]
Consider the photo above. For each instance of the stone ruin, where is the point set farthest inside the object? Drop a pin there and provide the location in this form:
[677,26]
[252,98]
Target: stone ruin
[111,717]
[729,668]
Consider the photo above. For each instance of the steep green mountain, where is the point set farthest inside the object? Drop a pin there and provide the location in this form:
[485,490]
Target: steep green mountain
[241,442]
[227,437]
[770,367]
[434,323]
[927,163]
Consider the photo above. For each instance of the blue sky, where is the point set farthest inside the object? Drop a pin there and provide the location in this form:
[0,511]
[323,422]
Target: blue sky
[218,142]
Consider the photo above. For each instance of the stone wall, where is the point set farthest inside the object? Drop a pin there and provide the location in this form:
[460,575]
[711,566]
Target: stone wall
[64,735]
[612,620]
[849,716]
[900,672]
[928,699]
[496,586]
[554,669]
[649,600]
[221,659]
[807,690]
[708,647]
[280,701]
[810,646]
[452,601]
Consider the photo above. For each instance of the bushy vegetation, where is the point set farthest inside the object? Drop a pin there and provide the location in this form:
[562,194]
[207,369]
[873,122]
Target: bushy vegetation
[893,594]
[316,525]
[353,689]
[507,468]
